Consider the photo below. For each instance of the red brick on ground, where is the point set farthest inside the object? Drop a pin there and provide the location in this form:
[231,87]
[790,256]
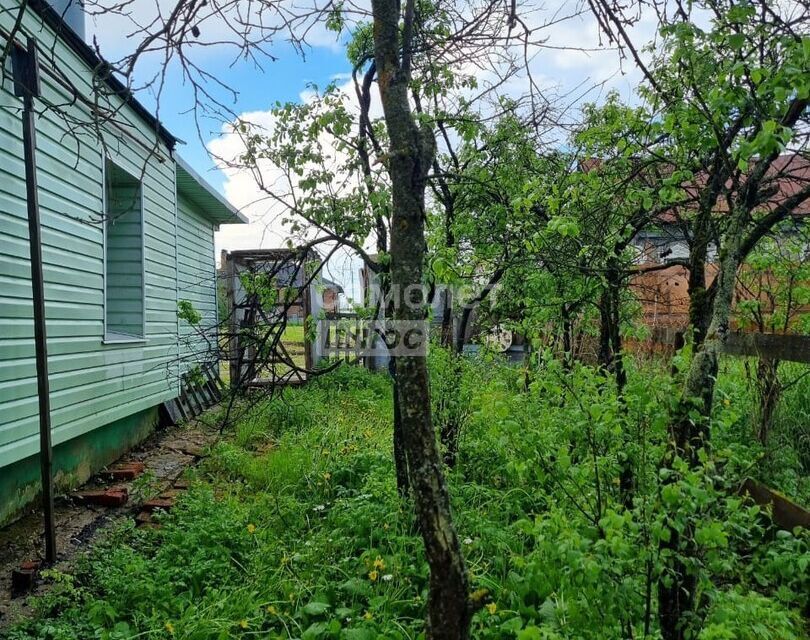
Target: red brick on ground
[125,471]
[105,498]
[165,503]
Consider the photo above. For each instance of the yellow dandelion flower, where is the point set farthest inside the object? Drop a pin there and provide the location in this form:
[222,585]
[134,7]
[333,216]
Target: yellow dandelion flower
[272,610]
[727,402]
[251,529]
[327,476]
[170,628]
[379,563]
[492,608]
[243,624]
[367,616]
[373,575]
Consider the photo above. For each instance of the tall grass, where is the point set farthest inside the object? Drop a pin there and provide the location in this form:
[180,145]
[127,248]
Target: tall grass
[293,527]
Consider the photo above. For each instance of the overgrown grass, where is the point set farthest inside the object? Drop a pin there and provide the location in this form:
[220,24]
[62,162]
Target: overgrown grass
[293,527]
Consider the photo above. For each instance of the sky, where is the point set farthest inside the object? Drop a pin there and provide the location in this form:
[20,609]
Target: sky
[561,68]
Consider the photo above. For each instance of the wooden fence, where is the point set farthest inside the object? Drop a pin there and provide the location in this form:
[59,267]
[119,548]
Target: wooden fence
[344,336]
[791,348]
[200,389]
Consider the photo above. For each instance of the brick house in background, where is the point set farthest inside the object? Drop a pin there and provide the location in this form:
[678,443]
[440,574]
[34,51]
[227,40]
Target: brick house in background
[664,294]
[331,295]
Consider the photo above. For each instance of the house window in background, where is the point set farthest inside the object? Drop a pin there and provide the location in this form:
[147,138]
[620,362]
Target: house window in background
[123,255]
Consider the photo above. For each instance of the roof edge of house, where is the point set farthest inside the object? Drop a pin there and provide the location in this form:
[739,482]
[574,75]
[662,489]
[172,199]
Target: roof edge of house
[51,17]
[213,204]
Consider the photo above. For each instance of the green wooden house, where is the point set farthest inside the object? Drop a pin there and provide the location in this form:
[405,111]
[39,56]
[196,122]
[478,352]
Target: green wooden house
[128,232]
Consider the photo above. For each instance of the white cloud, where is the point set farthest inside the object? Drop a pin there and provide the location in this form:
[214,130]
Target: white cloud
[248,191]
[243,191]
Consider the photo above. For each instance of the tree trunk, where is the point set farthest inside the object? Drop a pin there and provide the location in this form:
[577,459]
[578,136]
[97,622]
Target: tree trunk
[616,346]
[467,308]
[410,156]
[604,356]
[627,480]
[447,319]
[676,595]
[700,304]
[770,389]
[568,338]
[611,361]
[461,330]
[400,454]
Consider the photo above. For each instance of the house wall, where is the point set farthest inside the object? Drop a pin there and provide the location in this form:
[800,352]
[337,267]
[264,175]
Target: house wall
[665,242]
[196,282]
[664,296]
[93,383]
[330,300]
[73,461]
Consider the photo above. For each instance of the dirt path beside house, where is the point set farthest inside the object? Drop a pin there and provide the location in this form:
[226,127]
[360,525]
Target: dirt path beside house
[166,454]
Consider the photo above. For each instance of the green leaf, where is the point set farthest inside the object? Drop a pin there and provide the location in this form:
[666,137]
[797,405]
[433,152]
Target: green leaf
[711,535]
[513,624]
[360,634]
[355,586]
[315,630]
[530,633]
[316,608]
[736,41]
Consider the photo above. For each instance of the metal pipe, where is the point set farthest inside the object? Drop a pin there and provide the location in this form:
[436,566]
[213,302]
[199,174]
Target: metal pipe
[27,86]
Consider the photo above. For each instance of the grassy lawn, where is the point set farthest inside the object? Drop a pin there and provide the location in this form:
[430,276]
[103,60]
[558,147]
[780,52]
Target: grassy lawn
[293,527]
[293,333]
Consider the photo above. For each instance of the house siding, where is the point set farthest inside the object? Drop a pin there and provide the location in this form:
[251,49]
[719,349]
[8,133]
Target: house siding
[93,383]
[196,276]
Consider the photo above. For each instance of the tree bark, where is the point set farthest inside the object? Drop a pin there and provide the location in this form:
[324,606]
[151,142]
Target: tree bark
[461,330]
[612,362]
[627,480]
[677,596]
[568,338]
[411,152]
[700,300]
[467,309]
[400,454]
[605,356]
[447,318]
[770,390]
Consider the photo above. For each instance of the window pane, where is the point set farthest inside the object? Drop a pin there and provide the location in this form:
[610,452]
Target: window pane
[124,255]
